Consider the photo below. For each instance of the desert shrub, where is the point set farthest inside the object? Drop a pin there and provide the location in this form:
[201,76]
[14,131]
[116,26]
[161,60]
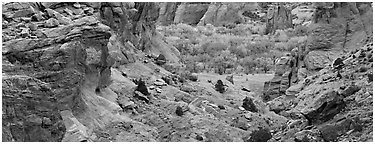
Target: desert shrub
[221,30]
[203,57]
[296,42]
[220,49]
[205,30]
[185,28]
[281,46]
[300,31]
[212,48]
[229,25]
[240,51]
[242,30]
[264,63]
[222,61]
[281,36]
[219,86]
[248,64]
[183,46]
[259,47]
[235,41]
[259,29]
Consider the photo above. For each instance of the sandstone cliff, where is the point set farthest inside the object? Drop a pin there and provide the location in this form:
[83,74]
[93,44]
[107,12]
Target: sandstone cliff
[217,14]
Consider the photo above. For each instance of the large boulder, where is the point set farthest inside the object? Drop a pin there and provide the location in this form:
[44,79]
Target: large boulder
[249,105]
[322,107]
[332,131]
[261,135]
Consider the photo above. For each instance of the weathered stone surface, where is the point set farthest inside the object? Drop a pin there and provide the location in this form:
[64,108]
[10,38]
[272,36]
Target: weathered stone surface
[220,14]
[303,13]
[332,131]
[123,53]
[141,96]
[351,89]
[49,73]
[278,17]
[75,130]
[51,23]
[295,89]
[24,111]
[17,9]
[145,38]
[261,135]
[279,104]
[230,79]
[316,60]
[285,74]
[160,60]
[308,136]
[324,107]
[190,13]
[167,12]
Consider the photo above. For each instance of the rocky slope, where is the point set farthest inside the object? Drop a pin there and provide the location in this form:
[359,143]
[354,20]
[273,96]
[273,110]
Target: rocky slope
[90,72]
[326,104]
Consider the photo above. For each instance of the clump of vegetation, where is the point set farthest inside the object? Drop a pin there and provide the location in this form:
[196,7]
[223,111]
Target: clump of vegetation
[240,48]
[219,86]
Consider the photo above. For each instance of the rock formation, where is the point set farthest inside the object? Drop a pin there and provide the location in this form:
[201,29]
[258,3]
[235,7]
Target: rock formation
[278,17]
[134,25]
[50,71]
[167,12]
[190,13]
[285,75]
[220,14]
[325,108]
[217,14]
[336,27]
[327,40]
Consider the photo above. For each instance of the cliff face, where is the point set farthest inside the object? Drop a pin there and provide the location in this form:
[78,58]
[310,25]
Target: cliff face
[190,13]
[43,74]
[217,14]
[336,29]
[167,12]
[134,25]
[278,17]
